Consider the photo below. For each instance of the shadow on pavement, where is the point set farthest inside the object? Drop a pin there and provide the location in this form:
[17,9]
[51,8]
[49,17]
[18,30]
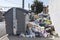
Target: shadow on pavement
[18,38]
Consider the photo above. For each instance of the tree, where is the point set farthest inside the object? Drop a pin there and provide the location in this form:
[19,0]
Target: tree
[37,6]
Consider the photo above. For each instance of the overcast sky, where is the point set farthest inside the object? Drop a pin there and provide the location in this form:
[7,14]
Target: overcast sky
[18,3]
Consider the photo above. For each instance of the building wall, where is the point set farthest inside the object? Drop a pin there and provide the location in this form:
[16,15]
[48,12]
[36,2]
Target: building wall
[54,11]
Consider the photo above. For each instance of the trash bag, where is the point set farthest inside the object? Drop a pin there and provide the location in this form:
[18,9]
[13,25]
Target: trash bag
[22,35]
[42,24]
[48,22]
[31,36]
[36,16]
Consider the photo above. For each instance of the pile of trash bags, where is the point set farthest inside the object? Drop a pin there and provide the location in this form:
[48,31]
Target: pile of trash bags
[39,26]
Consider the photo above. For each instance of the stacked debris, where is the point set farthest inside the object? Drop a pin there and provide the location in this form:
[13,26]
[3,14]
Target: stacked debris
[40,26]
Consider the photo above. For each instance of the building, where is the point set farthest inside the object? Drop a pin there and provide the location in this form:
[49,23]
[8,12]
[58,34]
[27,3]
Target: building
[45,9]
[54,11]
[16,19]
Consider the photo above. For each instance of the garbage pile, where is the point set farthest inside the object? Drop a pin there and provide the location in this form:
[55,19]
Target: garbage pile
[40,26]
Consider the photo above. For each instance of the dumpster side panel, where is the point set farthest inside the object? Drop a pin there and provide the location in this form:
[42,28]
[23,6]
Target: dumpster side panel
[20,21]
[9,21]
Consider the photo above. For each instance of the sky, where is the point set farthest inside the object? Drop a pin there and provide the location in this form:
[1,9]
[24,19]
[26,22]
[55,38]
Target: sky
[18,3]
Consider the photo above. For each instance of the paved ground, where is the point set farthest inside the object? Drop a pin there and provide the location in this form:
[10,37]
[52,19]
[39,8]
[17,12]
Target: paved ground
[3,32]
[2,28]
[18,38]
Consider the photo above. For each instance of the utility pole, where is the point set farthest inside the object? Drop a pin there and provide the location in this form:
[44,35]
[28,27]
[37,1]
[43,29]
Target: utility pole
[29,6]
[23,4]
